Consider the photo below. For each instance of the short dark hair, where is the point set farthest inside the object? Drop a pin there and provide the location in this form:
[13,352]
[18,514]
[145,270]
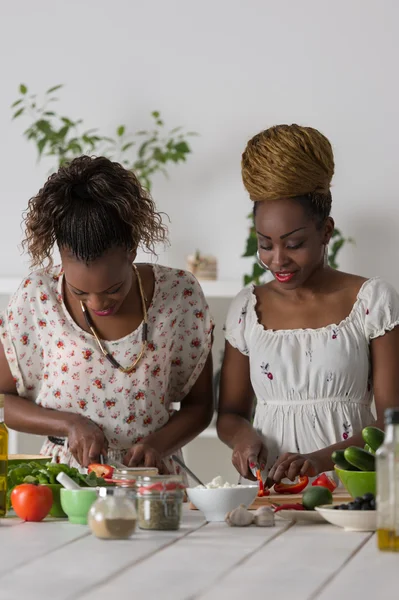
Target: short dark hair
[89,206]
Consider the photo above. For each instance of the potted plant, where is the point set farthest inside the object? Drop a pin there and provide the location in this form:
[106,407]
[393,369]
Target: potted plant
[146,152]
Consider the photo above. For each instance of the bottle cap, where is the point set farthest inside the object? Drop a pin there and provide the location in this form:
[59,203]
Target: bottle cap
[392,416]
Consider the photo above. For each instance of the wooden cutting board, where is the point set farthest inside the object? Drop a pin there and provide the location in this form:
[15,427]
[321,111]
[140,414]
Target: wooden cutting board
[340,497]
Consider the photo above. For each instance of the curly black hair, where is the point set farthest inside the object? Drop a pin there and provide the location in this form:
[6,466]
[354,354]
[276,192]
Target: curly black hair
[89,206]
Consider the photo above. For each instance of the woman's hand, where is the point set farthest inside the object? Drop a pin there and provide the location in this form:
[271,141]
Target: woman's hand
[249,452]
[144,455]
[291,465]
[86,441]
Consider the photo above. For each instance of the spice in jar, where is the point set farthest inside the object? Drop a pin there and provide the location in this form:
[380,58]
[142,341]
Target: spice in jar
[113,515]
[159,502]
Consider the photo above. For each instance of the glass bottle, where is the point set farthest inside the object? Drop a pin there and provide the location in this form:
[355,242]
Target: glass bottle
[387,467]
[3,460]
[113,515]
[159,502]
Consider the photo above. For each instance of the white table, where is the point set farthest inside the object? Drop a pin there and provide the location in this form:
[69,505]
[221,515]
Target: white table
[55,559]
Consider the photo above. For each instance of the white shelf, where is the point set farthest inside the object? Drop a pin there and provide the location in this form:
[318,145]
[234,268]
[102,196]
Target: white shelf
[220,288]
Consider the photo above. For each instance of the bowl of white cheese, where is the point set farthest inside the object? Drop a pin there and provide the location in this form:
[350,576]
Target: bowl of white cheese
[219,497]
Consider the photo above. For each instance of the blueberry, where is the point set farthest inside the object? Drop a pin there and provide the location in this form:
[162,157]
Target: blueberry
[359,500]
[366,506]
[372,504]
[344,507]
[357,504]
[368,497]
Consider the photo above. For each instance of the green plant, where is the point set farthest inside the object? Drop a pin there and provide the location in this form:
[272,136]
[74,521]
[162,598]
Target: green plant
[144,152]
[337,242]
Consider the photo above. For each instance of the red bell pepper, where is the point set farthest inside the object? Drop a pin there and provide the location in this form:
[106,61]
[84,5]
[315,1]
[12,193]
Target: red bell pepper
[292,488]
[324,481]
[262,490]
[295,506]
[105,471]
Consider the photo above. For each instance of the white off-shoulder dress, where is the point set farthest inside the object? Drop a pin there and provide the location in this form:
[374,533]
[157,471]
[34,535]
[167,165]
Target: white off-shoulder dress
[313,387]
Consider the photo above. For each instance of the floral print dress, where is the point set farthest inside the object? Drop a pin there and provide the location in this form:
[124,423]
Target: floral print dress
[58,365]
[313,386]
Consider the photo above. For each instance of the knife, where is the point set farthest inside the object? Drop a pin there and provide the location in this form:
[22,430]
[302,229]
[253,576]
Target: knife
[185,467]
[268,483]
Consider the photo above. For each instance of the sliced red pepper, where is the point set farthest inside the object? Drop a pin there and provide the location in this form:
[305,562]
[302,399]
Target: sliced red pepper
[104,471]
[324,481]
[292,488]
[295,506]
[262,490]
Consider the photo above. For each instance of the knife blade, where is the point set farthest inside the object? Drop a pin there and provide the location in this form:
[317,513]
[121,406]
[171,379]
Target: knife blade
[185,467]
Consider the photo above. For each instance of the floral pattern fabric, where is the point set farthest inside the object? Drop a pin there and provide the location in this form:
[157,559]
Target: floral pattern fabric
[313,386]
[58,365]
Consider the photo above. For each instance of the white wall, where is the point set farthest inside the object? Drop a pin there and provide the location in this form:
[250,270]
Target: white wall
[225,68]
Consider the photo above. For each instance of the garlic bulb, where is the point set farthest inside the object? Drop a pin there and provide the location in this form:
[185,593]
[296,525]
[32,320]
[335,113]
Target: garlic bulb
[264,517]
[239,517]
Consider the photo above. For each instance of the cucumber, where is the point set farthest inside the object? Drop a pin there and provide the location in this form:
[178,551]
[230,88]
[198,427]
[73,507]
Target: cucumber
[338,458]
[360,458]
[368,449]
[373,437]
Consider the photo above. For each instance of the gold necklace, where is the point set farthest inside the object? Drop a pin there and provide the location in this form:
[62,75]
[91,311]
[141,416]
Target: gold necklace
[144,334]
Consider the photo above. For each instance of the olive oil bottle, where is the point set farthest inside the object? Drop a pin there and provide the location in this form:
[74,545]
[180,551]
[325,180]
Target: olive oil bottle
[387,467]
[3,460]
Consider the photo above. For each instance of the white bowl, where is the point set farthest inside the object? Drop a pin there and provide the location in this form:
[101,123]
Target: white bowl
[216,503]
[351,520]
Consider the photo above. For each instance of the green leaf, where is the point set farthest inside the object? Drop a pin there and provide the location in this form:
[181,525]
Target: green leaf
[257,270]
[41,144]
[252,246]
[44,126]
[144,146]
[183,148]
[247,279]
[175,130]
[121,130]
[156,114]
[49,113]
[23,89]
[18,113]
[53,89]
[127,146]
[16,102]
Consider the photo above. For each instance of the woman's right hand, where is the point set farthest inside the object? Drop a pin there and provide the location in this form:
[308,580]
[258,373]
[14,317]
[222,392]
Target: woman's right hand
[86,441]
[249,452]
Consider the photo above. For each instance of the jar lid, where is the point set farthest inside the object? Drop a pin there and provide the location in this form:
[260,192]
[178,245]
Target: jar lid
[160,483]
[132,473]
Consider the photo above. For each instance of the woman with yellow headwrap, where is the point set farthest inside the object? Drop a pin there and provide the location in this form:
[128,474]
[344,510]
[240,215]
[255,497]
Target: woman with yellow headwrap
[314,345]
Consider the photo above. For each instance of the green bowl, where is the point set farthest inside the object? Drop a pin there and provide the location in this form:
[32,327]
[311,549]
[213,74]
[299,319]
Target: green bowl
[56,508]
[357,483]
[77,503]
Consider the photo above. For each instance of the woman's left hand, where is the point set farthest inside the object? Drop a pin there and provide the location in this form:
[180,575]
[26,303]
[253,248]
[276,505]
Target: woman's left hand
[291,465]
[144,455]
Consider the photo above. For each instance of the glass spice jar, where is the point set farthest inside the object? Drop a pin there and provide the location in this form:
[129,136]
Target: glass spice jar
[127,477]
[113,515]
[159,502]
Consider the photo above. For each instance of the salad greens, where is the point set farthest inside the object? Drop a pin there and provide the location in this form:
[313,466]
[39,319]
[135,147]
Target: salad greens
[34,472]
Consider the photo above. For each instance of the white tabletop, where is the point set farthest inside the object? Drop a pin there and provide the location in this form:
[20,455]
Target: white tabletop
[55,559]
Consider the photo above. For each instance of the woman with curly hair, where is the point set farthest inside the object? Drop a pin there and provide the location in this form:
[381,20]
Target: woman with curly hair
[95,351]
[314,345]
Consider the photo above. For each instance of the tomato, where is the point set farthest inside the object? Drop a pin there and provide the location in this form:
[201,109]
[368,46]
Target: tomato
[105,471]
[31,502]
[324,481]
